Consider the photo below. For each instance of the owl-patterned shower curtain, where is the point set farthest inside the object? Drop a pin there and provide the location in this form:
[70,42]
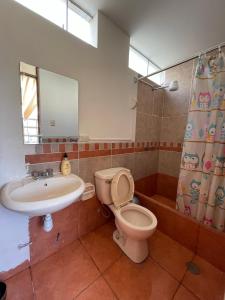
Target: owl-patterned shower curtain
[201,186]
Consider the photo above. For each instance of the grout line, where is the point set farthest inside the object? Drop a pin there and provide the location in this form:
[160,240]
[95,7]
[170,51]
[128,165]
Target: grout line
[121,255]
[84,289]
[182,279]
[101,272]
[180,282]
[114,294]
[162,267]
[108,284]
[90,256]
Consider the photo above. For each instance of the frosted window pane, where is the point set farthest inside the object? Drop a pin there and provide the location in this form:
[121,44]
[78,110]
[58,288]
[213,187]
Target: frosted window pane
[78,26]
[138,62]
[157,78]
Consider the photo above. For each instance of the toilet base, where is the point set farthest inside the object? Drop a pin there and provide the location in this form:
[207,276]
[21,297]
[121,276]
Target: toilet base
[136,250]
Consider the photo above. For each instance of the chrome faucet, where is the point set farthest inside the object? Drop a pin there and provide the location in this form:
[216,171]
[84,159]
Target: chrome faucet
[42,174]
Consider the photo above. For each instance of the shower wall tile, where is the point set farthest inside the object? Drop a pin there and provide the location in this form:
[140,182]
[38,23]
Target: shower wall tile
[145,164]
[143,127]
[172,128]
[158,102]
[145,113]
[155,128]
[145,99]
[169,163]
[176,102]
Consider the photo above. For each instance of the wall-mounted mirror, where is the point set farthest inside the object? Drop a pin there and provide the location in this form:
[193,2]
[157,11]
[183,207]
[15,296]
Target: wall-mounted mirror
[49,105]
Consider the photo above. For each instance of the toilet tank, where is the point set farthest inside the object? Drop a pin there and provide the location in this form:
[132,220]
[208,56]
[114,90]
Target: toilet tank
[103,180]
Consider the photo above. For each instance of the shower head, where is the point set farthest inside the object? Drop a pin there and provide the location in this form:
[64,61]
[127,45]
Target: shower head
[172,86]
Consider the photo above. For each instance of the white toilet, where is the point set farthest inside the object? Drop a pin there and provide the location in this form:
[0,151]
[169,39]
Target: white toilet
[135,224]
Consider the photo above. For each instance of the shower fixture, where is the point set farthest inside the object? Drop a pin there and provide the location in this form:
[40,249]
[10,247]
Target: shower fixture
[172,86]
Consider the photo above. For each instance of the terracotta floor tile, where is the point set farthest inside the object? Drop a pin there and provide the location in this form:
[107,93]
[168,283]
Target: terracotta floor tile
[101,247]
[210,284]
[65,274]
[169,254]
[99,290]
[19,287]
[143,281]
[184,294]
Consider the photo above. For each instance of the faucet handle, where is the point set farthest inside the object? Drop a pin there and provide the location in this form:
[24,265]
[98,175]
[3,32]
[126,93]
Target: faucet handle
[49,172]
[35,174]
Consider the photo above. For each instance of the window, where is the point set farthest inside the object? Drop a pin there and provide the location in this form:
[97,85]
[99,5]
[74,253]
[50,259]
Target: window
[143,66]
[65,14]
[78,25]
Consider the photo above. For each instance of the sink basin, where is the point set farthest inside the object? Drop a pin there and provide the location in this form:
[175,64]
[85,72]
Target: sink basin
[43,196]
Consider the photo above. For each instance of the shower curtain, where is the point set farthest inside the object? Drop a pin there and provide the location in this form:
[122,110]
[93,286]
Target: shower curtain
[201,185]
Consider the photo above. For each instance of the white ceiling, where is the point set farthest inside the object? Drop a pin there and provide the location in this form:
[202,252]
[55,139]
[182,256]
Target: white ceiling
[166,31]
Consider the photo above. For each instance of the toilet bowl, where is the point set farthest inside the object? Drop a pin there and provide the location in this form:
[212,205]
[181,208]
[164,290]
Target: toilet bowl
[135,224]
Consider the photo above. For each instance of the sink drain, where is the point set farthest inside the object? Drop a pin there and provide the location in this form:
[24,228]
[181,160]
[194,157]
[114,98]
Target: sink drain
[193,268]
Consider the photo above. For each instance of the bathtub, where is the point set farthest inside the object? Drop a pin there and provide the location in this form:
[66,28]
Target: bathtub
[197,237]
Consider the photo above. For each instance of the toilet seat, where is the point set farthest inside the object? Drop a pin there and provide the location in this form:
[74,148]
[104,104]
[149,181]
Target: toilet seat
[122,188]
[137,217]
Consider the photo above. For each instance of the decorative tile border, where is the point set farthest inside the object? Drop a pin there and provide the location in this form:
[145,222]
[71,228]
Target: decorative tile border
[170,146]
[54,151]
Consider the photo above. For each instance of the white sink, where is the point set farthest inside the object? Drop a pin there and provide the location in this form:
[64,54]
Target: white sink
[43,196]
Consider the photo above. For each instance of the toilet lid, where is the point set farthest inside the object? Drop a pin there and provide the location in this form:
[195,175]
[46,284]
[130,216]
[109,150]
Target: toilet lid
[122,188]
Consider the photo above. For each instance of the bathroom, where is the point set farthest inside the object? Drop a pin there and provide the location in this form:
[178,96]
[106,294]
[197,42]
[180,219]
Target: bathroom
[120,120]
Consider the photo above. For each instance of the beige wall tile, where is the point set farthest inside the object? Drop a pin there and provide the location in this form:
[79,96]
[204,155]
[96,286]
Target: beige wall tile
[124,160]
[169,163]
[145,164]
[43,166]
[145,99]
[173,128]
[88,166]
[176,102]
[53,165]
[155,129]
[158,102]
[74,166]
[143,127]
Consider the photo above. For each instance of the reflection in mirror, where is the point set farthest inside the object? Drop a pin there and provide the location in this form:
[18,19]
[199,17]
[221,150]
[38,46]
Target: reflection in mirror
[49,105]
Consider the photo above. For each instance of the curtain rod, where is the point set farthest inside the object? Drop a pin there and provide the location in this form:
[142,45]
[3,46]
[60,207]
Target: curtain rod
[182,62]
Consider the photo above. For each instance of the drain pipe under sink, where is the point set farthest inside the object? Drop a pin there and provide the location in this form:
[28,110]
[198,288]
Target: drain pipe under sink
[47,222]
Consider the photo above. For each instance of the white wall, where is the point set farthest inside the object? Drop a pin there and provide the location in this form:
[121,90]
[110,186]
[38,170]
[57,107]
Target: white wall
[58,102]
[105,84]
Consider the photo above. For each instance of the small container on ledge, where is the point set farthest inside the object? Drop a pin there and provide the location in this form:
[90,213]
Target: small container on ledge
[65,166]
